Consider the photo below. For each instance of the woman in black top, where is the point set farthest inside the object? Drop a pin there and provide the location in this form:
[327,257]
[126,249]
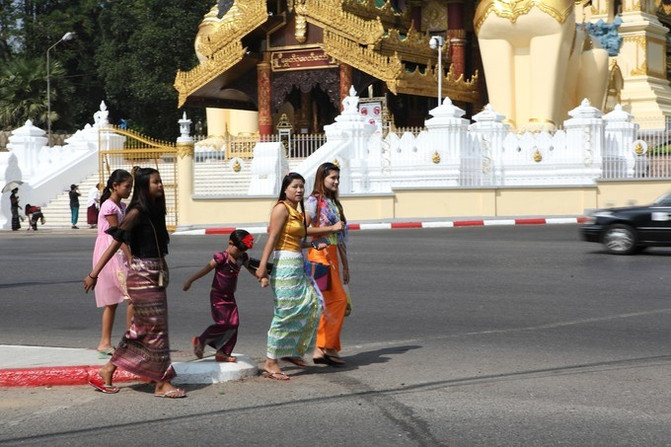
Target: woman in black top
[74,204]
[144,349]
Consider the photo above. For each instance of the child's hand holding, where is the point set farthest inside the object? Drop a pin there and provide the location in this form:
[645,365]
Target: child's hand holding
[186,286]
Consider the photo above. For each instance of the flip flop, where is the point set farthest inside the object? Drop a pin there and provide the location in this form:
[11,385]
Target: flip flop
[104,353]
[225,358]
[298,361]
[275,375]
[328,360]
[197,347]
[335,360]
[103,387]
[177,393]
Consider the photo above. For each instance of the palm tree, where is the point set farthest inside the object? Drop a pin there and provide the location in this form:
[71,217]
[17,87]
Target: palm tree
[23,91]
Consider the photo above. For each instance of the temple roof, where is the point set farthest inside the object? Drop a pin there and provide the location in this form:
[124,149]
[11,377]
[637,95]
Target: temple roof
[369,35]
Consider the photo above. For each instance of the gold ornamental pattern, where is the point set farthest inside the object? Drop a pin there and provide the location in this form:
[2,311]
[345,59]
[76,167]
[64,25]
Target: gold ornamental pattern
[240,20]
[424,84]
[328,14]
[187,82]
[513,9]
[367,9]
[412,46]
[385,68]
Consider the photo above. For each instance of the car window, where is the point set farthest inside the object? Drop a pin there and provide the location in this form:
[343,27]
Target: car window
[664,200]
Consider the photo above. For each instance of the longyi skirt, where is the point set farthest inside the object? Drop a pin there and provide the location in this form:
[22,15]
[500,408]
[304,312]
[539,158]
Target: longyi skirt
[297,309]
[145,349]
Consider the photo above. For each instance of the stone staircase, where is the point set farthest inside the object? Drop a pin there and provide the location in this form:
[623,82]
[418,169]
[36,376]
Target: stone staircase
[57,211]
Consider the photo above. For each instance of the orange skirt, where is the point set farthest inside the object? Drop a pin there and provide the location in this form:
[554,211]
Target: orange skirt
[335,300]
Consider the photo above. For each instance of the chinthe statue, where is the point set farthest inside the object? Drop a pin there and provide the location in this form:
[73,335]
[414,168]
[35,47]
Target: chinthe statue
[539,63]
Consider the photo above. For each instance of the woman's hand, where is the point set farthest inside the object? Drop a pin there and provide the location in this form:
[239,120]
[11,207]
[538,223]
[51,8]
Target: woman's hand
[345,275]
[264,282]
[338,226]
[186,286]
[89,282]
[261,272]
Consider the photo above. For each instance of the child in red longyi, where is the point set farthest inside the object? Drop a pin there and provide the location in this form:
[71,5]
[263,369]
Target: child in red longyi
[223,334]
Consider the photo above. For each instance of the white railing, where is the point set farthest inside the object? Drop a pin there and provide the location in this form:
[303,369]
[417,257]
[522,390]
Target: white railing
[303,145]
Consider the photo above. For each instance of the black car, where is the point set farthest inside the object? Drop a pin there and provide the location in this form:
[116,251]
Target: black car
[630,230]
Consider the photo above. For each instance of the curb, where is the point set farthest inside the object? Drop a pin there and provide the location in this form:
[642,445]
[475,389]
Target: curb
[58,376]
[405,225]
[205,371]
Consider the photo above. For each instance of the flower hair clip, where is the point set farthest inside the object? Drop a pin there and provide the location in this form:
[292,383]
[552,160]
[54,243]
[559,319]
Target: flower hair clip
[248,241]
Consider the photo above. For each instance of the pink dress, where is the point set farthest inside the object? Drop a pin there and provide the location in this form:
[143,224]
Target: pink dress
[111,285]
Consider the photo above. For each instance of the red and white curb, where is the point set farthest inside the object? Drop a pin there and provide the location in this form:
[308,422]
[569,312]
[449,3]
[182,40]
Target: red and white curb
[400,225]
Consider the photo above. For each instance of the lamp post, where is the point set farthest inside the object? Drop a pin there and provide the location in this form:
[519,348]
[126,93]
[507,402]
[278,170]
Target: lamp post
[67,36]
[437,42]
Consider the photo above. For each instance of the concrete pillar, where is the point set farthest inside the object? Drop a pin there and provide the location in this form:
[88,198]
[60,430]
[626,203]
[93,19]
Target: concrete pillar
[184,175]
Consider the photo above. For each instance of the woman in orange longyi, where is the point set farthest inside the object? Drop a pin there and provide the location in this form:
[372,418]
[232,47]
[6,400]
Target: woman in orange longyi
[325,210]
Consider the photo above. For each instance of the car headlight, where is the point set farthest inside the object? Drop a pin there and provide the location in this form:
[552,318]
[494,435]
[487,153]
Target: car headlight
[592,218]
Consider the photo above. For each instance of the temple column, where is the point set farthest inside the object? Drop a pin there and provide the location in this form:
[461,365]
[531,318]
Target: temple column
[457,36]
[416,14]
[345,82]
[265,95]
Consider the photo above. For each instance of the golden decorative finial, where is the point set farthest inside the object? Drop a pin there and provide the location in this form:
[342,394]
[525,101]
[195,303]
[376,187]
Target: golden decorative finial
[638,149]
[236,166]
[335,162]
[300,28]
[537,156]
[436,157]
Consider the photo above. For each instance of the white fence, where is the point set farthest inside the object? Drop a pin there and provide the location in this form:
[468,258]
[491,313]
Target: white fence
[454,152]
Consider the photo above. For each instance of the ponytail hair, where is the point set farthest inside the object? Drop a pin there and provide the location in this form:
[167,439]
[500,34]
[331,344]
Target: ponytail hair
[118,176]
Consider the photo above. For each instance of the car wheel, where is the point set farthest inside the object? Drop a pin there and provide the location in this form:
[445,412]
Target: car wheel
[620,239]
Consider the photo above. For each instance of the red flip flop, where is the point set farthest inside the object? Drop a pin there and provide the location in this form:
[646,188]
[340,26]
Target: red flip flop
[101,386]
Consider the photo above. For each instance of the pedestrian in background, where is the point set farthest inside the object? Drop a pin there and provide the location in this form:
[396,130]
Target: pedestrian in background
[144,349]
[93,205]
[325,211]
[110,288]
[14,204]
[223,334]
[74,205]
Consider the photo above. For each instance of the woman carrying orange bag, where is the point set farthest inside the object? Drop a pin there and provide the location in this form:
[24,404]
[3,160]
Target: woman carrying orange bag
[325,210]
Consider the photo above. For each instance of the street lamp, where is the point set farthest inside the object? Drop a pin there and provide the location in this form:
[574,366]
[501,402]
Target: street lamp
[67,36]
[437,42]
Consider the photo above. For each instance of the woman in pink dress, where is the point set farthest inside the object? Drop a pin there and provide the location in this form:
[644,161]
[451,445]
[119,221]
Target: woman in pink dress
[111,286]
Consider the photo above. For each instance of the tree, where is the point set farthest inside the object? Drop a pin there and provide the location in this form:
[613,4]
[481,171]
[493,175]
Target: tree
[143,43]
[23,91]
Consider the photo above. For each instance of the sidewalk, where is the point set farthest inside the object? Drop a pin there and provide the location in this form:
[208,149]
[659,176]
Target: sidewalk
[32,366]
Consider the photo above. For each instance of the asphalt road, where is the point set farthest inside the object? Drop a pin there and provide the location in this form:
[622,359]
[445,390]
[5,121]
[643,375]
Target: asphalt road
[487,336]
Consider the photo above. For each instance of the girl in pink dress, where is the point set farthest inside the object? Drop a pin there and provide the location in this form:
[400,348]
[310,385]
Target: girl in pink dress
[223,334]
[111,286]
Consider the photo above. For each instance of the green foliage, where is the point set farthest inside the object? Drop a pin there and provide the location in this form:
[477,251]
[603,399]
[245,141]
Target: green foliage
[23,91]
[143,44]
[126,53]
